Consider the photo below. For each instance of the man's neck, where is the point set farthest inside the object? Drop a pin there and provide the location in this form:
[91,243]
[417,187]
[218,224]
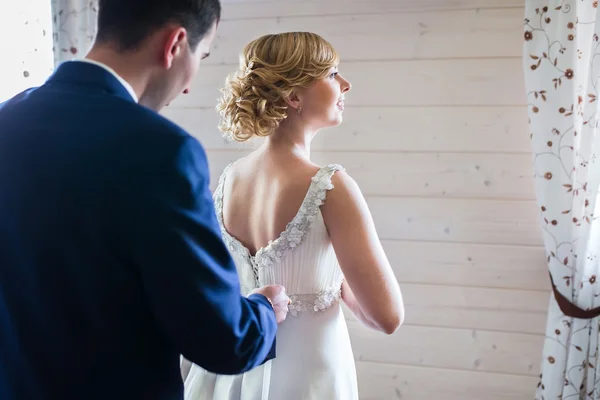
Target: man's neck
[127,68]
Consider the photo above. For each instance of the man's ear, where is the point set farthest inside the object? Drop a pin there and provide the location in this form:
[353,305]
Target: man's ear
[173,46]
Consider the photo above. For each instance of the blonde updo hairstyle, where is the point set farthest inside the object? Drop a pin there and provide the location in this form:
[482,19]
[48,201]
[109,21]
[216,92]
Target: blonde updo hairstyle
[253,100]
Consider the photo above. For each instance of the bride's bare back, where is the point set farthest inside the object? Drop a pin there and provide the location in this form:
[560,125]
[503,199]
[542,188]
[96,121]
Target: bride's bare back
[262,194]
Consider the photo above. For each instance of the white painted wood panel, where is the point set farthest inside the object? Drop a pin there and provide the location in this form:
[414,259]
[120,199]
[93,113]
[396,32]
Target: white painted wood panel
[468,265]
[391,129]
[243,9]
[389,36]
[457,220]
[461,175]
[379,381]
[502,310]
[497,82]
[463,349]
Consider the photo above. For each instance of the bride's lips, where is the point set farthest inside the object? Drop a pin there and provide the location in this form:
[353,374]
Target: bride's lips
[340,105]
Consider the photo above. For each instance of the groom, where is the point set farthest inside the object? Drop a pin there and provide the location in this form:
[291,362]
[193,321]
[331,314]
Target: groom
[111,259]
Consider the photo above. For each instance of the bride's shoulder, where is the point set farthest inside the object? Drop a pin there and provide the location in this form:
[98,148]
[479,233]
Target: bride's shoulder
[231,168]
[316,170]
[335,173]
[331,169]
[342,185]
[335,187]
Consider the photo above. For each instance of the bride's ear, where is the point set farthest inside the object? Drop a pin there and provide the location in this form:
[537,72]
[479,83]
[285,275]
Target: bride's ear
[293,101]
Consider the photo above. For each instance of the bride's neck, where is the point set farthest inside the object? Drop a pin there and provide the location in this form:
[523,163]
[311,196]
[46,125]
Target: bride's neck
[293,138]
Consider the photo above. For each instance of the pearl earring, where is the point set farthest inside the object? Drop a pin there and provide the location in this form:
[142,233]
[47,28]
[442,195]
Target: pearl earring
[299,110]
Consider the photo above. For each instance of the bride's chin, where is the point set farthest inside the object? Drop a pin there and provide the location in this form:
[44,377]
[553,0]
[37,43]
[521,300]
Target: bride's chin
[331,121]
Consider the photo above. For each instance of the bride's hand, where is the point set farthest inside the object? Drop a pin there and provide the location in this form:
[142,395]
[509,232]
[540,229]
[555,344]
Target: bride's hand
[279,300]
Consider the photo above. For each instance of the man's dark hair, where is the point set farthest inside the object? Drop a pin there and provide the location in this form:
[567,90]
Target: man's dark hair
[128,23]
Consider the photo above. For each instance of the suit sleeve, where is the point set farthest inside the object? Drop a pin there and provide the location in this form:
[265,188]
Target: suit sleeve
[188,274]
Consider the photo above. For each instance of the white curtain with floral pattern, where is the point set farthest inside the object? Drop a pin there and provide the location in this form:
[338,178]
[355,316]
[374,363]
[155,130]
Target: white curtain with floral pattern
[74,28]
[562,64]
[26,45]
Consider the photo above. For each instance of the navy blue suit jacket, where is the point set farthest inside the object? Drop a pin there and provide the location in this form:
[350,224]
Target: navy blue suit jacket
[111,259]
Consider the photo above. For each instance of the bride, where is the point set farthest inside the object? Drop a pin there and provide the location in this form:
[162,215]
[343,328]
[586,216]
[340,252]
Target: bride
[288,221]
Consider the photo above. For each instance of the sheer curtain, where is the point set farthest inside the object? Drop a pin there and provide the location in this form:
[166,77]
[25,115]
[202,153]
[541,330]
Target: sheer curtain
[74,28]
[562,66]
[25,45]
[37,35]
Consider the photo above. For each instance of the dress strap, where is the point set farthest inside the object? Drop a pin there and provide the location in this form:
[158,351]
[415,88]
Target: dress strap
[321,182]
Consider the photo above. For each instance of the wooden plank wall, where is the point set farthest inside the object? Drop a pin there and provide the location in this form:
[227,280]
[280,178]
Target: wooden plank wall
[435,133]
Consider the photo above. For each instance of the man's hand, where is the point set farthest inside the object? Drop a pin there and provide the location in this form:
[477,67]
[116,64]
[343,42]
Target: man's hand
[278,298]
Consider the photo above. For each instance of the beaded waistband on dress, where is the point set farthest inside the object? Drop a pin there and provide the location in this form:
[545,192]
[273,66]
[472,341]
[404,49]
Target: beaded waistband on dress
[314,302]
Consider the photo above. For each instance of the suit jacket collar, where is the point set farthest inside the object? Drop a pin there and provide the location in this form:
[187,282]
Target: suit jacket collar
[91,75]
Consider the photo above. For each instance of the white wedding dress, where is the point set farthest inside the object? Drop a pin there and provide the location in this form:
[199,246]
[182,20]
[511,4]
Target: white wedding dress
[314,357]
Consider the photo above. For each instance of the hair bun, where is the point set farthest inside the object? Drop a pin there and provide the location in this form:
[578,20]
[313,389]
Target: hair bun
[253,101]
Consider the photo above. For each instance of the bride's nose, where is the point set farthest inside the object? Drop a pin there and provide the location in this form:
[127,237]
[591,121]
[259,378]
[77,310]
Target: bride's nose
[345,85]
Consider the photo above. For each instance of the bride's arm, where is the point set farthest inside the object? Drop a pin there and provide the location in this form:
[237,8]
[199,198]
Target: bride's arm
[353,306]
[375,296]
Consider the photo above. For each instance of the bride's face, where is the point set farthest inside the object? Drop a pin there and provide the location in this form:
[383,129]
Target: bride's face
[322,105]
